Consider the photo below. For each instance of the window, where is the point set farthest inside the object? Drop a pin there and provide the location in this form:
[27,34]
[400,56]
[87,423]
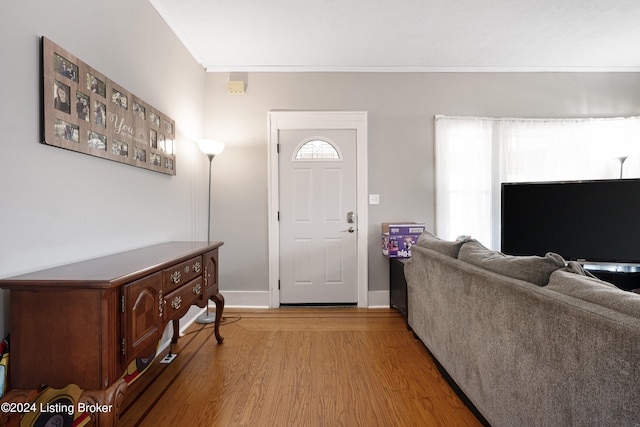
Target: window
[316,149]
[475,155]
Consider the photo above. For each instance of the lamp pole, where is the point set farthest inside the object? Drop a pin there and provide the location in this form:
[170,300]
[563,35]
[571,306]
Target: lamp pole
[210,148]
[211,156]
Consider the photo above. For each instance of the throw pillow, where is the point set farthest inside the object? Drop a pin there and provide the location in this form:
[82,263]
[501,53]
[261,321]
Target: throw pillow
[595,291]
[533,269]
[577,268]
[445,247]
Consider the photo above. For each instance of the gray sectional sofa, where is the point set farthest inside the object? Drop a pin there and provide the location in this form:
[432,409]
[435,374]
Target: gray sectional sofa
[531,341]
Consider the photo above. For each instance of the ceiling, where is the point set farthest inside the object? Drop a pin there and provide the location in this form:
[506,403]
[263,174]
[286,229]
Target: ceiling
[408,35]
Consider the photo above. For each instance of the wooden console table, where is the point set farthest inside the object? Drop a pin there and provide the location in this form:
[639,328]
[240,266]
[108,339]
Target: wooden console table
[84,323]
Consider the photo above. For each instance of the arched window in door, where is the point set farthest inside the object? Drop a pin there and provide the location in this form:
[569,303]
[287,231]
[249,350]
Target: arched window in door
[316,149]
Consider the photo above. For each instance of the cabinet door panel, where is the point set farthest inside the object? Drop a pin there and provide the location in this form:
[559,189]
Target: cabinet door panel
[210,273]
[143,316]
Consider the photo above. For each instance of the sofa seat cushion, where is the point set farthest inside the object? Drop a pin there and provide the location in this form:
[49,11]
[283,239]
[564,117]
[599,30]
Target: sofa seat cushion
[532,269]
[595,291]
[445,247]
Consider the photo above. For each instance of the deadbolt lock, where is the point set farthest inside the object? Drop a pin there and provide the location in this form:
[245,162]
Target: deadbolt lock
[351,217]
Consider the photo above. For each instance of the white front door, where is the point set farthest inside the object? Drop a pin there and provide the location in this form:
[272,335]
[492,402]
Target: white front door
[317,216]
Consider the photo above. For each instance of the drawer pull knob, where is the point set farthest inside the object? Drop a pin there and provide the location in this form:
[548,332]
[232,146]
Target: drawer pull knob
[175,277]
[175,304]
[197,267]
[186,269]
[197,289]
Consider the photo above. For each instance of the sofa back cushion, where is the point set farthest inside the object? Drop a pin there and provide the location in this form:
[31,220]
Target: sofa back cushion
[596,291]
[445,247]
[533,269]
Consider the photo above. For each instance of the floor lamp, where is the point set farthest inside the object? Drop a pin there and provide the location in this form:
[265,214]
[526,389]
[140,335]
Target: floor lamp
[622,160]
[211,148]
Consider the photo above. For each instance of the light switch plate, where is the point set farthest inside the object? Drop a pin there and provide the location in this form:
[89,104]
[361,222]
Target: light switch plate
[374,199]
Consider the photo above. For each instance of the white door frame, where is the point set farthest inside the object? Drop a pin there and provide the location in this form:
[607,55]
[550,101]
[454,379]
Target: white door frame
[300,120]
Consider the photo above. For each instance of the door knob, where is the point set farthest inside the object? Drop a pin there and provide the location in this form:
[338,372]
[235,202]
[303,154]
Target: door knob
[350,230]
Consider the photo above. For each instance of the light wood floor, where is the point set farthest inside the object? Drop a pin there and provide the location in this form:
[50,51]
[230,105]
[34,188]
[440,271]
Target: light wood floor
[298,367]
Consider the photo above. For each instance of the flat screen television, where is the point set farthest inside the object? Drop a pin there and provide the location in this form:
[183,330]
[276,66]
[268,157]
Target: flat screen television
[592,221]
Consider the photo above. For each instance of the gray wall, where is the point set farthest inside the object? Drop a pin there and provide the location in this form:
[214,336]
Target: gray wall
[59,206]
[401,107]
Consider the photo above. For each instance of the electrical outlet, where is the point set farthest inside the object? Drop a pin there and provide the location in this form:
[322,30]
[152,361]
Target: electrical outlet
[168,358]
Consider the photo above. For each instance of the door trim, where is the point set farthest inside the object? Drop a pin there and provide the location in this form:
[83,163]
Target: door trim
[300,120]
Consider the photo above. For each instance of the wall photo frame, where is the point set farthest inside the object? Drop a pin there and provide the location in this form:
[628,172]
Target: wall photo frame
[84,111]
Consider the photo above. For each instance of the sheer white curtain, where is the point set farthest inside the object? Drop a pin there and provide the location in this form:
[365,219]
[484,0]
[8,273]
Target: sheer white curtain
[463,177]
[474,155]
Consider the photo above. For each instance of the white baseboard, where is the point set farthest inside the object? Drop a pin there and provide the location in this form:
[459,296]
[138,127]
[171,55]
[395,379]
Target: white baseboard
[378,299]
[246,299]
[261,299]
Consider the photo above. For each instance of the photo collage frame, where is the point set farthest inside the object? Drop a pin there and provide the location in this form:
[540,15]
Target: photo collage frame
[86,112]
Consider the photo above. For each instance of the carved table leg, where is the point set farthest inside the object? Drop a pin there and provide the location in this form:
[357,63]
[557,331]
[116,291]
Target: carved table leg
[176,331]
[218,299]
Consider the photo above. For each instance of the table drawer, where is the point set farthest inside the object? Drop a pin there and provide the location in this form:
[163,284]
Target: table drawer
[182,273]
[178,302]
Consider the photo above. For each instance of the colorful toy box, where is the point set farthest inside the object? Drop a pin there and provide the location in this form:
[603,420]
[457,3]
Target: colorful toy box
[398,237]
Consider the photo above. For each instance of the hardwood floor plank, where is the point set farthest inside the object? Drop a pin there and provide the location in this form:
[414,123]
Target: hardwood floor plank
[303,367]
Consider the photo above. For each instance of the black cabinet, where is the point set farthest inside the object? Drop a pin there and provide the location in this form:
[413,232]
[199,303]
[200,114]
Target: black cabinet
[626,280]
[398,286]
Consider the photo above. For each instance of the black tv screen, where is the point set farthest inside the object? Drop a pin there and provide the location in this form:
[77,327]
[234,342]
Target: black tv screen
[595,221]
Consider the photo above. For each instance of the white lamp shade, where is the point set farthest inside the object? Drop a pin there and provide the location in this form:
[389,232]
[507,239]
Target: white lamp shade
[210,146]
